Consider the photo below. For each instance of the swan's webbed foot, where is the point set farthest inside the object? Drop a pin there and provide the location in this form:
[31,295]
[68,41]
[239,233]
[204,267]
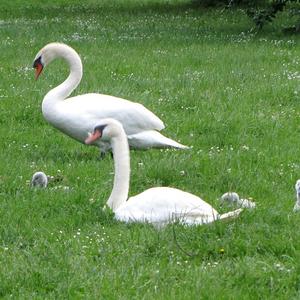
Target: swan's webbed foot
[103,154]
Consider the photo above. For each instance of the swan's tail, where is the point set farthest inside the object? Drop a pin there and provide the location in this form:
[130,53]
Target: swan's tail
[231,214]
[153,139]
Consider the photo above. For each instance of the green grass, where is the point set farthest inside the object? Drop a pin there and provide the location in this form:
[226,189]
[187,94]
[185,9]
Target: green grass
[230,93]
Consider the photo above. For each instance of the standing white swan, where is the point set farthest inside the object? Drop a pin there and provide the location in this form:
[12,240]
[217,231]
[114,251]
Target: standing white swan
[159,205]
[79,115]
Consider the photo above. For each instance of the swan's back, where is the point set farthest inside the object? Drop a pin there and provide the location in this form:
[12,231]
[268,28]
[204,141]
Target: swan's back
[164,204]
[133,116]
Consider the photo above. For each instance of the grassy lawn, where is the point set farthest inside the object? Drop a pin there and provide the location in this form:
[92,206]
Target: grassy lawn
[230,93]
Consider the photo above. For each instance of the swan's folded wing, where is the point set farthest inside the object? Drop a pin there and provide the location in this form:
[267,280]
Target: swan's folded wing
[133,116]
[164,204]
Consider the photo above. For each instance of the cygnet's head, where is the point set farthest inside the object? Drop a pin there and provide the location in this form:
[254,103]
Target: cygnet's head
[106,129]
[230,197]
[234,198]
[39,179]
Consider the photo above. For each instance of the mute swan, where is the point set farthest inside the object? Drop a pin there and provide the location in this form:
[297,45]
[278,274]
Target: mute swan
[39,179]
[80,114]
[297,204]
[234,198]
[158,205]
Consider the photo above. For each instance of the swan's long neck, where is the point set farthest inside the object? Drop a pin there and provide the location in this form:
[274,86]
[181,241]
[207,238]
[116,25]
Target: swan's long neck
[64,90]
[120,189]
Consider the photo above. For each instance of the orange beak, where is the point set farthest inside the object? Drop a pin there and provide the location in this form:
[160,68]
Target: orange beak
[38,70]
[93,137]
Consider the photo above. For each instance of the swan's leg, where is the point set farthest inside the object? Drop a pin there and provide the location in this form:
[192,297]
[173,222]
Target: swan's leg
[102,154]
[104,148]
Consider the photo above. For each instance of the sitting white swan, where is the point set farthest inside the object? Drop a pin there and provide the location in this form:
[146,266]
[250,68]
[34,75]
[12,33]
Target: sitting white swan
[297,204]
[78,115]
[39,179]
[159,205]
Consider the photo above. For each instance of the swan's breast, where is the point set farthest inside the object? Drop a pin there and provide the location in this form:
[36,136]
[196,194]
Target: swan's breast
[70,122]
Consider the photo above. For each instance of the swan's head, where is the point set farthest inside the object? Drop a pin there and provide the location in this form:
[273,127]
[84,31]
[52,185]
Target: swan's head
[49,53]
[39,179]
[43,58]
[106,129]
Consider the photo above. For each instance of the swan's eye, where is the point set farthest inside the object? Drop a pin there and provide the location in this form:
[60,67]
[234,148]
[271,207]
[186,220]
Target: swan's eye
[97,134]
[100,129]
[37,62]
[38,65]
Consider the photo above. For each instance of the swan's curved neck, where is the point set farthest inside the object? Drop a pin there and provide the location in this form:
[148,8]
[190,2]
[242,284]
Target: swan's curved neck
[64,90]
[120,189]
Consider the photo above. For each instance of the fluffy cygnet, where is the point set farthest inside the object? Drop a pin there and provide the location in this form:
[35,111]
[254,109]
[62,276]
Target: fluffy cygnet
[39,179]
[234,198]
